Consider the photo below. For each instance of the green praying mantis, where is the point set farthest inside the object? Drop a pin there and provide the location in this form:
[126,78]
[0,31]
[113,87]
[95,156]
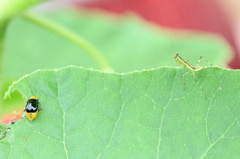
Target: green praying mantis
[191,68]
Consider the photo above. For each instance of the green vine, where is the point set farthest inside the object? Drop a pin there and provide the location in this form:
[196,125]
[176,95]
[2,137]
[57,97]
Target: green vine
[69,35]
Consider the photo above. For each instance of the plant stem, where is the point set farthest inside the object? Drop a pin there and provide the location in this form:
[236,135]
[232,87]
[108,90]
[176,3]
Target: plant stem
[71,36]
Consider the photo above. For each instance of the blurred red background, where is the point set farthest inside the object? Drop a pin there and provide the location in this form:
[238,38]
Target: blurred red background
[202,15]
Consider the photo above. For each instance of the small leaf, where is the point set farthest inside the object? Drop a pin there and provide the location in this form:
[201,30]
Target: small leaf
[145,114]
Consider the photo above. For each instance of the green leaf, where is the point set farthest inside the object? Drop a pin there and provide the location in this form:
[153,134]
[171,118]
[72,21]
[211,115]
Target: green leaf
[128,44]
[3,131]
[146,114]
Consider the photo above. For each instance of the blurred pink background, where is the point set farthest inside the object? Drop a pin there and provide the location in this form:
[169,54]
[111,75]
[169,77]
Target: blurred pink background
[215,16]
